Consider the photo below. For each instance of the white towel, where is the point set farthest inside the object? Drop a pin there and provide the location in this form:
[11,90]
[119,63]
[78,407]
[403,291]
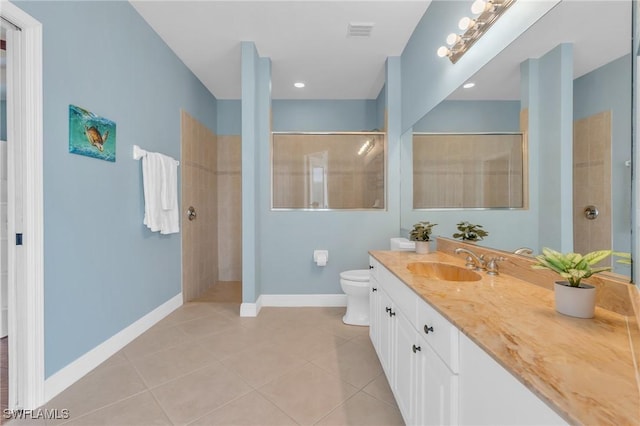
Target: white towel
[160,182]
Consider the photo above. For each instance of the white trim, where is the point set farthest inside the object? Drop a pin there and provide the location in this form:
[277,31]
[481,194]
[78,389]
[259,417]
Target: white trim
[302,300]
[25,189]
[251,309]
[96,356]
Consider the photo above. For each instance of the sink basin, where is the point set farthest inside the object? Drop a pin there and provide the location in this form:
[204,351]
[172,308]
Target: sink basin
[442,271]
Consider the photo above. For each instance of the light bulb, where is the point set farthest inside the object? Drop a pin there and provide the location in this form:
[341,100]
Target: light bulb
[478,7]
[299,84]
[465,23]
[452,39]
[443,51]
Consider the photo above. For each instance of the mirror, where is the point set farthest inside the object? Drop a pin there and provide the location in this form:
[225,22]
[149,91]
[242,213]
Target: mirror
[599,45]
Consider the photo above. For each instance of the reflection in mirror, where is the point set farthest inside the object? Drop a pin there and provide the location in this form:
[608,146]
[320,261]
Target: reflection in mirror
[601,100]
[312,171]
[478,170]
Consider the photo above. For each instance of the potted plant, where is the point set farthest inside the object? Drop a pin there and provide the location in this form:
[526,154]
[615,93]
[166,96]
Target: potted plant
[470,232]
[573,297]
[421,234]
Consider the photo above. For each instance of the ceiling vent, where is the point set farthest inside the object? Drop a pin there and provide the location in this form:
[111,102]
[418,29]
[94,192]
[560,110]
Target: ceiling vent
[359,29]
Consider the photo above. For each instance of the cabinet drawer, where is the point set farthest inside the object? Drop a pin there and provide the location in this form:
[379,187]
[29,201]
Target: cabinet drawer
[374,265]
[440,334]
[403,297]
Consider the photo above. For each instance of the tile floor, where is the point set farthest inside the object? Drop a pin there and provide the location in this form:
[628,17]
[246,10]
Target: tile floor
[205,365]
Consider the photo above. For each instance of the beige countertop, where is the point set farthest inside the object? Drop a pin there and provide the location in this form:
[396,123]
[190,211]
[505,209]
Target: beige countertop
[584,369]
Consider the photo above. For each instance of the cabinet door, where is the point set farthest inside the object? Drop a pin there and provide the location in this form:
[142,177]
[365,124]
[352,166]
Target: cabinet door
[437,390]
[387,335]
[406,360]
[374,313]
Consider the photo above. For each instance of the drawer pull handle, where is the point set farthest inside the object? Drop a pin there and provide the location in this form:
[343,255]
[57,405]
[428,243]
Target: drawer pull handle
[391,313]
[428,329]
[416,348]
[370,266]
[374,289]
[387,309]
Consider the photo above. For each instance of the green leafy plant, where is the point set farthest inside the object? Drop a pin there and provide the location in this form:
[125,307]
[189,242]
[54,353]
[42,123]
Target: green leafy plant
[572,266]
[470,232]
[421,231]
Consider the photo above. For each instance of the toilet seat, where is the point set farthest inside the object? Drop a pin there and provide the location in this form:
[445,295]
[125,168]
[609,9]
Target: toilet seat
[357,275]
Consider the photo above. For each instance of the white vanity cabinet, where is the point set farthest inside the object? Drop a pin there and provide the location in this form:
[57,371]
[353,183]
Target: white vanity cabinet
[424,386]
[438,375]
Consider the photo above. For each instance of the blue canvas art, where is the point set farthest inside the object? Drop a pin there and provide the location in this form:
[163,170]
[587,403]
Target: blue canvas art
[91,135]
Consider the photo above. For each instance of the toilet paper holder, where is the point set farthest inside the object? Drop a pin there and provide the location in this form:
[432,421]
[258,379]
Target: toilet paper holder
[321,257]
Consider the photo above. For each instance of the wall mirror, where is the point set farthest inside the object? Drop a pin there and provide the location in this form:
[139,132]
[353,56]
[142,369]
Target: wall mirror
[600,46]
[479,170]
[328,171]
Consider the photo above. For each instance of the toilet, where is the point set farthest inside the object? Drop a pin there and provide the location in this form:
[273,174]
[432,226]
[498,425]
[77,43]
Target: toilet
[355,284]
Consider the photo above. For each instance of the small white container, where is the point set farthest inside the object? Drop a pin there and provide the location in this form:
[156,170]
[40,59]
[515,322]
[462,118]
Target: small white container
[579,302]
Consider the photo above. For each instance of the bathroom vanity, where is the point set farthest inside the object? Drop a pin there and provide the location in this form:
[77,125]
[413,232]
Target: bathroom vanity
[494,351]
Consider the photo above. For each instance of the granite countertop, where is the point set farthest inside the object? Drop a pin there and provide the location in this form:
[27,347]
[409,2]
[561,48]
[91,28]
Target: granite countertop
[584,369]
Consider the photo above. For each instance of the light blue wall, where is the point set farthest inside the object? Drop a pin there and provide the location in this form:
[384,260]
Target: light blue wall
[103,268]
[3,120]
[427,79]
[229,117]
[288,238]
[607,88]
[555,148]
[468,116]
[381,103]
[471,116]
[324,115]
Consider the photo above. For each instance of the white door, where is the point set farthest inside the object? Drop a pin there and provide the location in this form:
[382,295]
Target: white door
[4,267]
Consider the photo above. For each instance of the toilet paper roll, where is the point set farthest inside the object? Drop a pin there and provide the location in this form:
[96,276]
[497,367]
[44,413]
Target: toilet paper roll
[321,260]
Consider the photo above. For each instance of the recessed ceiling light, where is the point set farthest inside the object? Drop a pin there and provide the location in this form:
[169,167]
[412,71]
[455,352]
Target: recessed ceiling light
[299,84]
[468,85]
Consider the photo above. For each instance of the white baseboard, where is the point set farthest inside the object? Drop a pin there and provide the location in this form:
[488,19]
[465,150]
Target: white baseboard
[68,375]
[304,300]
[251,309]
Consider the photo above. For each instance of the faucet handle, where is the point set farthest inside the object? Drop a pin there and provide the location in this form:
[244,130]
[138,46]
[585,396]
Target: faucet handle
[492,265]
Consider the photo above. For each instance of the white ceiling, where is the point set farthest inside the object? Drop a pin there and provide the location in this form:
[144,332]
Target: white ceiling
[306,41]
[600,32]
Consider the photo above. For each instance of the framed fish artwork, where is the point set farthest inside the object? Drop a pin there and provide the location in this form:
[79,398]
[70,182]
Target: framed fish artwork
[91,135]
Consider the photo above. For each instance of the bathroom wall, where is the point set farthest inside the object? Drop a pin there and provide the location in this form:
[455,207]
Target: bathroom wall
[103,268]
[324,115]
[607,89]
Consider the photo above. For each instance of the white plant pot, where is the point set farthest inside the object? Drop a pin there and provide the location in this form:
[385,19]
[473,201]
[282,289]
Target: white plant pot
[422,247]
[579,302]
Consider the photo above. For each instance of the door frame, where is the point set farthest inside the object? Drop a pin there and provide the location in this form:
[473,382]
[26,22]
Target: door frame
[25,213]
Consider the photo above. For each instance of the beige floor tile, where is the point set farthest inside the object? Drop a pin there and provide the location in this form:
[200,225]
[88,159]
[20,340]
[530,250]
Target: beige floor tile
[307,342]
[141,409]
[102,387]
[351,362]
[233,340]
[379,389]
[187,312]
[341,329]
[248,410]
[207,325]
[118,358]
[365,410]
[162,366]
[155,339]
[258,367]
[307,394]
[191,397]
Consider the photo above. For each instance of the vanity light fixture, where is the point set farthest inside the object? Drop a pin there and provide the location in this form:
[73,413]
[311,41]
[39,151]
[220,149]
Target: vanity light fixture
[488,12]
[299,84]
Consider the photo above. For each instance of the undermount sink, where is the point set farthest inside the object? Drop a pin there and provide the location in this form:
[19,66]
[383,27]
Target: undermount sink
[442,271]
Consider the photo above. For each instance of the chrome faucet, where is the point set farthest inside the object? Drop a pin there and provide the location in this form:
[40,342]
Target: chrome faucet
[523,250]
[492,266]
[473,260]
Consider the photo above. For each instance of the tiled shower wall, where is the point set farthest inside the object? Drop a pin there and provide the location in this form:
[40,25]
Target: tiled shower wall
[199,189]
[229,208]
